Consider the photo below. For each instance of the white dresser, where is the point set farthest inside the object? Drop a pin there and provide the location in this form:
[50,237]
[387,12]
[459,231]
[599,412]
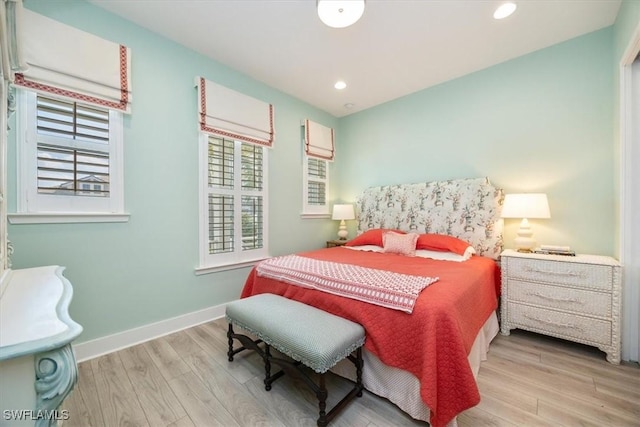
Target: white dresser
[576,298]
[37,365]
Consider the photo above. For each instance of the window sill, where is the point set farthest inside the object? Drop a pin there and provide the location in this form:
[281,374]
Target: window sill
[66,218]
[224,267]
[315,216]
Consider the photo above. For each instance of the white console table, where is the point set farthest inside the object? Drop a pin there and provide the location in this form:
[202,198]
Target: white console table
[37,366]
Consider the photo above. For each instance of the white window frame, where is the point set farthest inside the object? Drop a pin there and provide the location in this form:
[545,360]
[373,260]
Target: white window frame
[210,263]
[308,210]
[34,207]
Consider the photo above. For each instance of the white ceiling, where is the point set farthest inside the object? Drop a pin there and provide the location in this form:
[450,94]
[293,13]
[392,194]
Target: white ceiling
[396,48]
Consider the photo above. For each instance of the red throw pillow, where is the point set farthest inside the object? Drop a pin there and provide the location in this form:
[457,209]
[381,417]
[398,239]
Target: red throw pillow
[370,237]
[442,243]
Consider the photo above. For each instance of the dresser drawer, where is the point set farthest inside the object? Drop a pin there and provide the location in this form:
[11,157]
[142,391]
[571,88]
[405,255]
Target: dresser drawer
[587,276]
[562,325]
[565,299]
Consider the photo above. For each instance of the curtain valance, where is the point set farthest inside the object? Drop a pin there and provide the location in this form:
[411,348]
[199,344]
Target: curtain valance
[225,112]
[318,140]
[72,63]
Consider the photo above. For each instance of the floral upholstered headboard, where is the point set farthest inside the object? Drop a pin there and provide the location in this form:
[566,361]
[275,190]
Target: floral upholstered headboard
[468,209]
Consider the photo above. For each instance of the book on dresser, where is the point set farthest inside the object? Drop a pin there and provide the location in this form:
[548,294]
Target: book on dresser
[577,298]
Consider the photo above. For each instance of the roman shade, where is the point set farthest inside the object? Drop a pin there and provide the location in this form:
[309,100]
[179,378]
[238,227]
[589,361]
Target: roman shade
[65,61]
[227,113]
[318,140]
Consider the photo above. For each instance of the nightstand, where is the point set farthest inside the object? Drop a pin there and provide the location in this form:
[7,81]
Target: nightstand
[333,243]
[576,298]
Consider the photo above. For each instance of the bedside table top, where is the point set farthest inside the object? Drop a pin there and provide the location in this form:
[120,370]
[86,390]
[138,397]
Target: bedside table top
[578,258]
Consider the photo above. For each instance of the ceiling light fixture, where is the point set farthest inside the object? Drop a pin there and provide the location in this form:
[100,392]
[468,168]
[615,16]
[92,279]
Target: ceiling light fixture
[504,10]
[340,85]
[340,13]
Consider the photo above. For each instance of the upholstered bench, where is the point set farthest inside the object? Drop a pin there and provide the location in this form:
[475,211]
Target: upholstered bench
[308,335]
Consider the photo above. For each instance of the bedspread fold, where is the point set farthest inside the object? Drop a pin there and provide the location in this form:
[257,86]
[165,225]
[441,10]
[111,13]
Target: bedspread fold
[380,287]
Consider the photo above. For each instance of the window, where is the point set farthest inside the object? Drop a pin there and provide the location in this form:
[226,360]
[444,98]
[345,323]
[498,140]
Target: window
[315,186]
[69,160]
[233,203]
[319,150]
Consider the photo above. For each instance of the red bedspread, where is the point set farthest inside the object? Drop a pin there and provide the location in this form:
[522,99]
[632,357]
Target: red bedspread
[433,342]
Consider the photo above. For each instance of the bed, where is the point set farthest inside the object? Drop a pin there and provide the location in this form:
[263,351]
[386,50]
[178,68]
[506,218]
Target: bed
[427,335]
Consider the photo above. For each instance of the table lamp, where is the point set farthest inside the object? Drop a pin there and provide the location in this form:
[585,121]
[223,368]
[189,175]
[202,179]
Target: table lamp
[342,213]
[526,206]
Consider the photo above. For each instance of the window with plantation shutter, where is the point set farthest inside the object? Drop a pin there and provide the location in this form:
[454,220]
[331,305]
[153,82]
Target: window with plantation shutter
[315,186]
[81,169]
[69,159]
[318,151]
[234,200]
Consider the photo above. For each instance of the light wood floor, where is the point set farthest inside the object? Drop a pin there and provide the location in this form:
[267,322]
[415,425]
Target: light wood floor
[184,379]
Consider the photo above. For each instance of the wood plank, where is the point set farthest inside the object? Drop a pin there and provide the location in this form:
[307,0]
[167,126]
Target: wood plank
[158,402]
[476,417]
[165,358]
[201,405]
[512,413]
[583,413]
[245,365]
[84,405]
[242,406]
[119,401]
[182,422]
[283,402]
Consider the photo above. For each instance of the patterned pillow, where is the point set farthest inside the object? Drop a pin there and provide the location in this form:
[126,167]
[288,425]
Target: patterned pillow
[403,244]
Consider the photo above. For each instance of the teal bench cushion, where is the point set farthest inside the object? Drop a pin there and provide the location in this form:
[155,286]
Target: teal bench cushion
[309,335]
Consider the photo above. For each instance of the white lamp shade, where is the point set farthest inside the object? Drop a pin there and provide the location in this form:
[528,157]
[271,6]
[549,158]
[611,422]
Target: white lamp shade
[340,13]
[342,212]
[526,205]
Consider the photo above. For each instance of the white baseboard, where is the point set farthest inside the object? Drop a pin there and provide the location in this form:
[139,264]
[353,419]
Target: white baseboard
[110,343]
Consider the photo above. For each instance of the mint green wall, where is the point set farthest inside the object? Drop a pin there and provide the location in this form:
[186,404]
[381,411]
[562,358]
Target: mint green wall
[539,123]
[130,274]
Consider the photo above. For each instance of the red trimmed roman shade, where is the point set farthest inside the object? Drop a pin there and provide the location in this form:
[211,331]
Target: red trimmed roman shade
[318,141]
[231,114]
[72,63]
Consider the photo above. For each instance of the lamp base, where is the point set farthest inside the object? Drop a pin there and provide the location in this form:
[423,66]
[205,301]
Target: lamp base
[525,242]
[342,230]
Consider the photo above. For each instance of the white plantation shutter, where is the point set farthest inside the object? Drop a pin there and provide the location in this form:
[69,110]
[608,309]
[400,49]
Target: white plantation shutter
[72,148]
[319,141]
[68,62]
[316,182]
[230,114]
[236,198]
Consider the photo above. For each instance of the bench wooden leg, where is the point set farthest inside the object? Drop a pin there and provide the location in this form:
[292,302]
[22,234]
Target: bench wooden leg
[319,389]
[322,402]
[267,367]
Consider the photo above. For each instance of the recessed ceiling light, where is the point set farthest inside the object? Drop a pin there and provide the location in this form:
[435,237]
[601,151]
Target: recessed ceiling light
[340,85]
[349,105]
[504,10]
